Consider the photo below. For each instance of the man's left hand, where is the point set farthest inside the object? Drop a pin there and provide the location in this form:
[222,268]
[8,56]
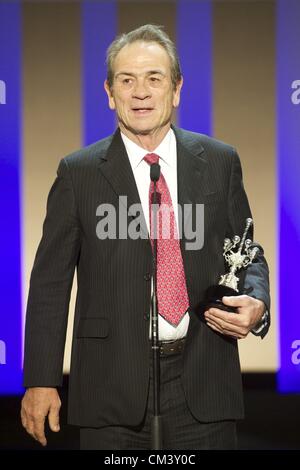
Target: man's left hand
[236,325]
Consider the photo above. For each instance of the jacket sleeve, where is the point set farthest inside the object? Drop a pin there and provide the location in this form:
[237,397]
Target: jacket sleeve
[254,280]
[50,286]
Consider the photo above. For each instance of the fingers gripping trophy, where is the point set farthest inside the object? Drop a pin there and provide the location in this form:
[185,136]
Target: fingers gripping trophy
[238,254]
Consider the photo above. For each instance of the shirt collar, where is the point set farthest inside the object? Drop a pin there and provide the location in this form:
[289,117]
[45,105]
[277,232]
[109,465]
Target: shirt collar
[137,153]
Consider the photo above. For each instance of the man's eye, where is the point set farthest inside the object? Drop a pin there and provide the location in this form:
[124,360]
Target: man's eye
[126,81]
[154,79]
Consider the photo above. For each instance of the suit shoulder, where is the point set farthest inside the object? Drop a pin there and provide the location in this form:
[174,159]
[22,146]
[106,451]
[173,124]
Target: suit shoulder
[210,143]
[89,155]
[207,142]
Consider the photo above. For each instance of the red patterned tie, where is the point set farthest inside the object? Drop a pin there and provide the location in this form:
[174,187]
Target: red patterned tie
[172,293]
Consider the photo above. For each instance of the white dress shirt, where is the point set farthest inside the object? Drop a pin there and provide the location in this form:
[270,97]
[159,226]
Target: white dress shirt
[167,152]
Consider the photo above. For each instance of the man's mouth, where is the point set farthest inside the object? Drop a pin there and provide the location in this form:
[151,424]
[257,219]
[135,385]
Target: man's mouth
[142,111]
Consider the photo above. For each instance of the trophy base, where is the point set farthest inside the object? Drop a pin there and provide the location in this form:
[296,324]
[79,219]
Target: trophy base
[213,298]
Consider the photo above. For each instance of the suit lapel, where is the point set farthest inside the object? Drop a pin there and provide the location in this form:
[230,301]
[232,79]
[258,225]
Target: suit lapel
[115,167]
[191,183]
[191,168]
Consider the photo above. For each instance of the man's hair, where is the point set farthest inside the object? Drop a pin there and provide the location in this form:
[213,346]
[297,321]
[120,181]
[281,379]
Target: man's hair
[146,33]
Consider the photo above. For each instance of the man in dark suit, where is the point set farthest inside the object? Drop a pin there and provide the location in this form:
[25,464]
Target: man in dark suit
[110,386]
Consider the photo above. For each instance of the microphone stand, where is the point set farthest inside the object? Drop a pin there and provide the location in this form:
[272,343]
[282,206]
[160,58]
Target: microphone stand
[156,423]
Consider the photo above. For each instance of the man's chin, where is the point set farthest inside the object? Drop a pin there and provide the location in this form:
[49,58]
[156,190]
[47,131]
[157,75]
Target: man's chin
[144,130]
[140,130]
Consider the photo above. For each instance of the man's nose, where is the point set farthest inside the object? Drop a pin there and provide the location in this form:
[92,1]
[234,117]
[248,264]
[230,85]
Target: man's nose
[141,91]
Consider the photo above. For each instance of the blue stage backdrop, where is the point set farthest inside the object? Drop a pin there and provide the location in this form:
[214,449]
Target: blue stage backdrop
[288,170]
[194,43]
[11,174]
[99,28]
[194,25]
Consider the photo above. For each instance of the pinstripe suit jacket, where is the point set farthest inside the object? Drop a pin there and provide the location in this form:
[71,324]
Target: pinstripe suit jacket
[110,351]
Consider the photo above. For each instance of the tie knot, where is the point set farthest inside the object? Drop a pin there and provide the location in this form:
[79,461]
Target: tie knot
[151,158]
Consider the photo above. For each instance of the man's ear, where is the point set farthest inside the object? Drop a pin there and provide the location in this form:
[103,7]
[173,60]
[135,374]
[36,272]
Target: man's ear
[176,95]
[111,101]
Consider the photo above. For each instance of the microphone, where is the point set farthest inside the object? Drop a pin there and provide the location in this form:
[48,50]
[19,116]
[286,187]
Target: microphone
[154,176]
[156,422]
[154,172]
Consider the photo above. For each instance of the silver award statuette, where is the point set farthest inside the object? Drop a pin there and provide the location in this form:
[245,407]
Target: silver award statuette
[238,255]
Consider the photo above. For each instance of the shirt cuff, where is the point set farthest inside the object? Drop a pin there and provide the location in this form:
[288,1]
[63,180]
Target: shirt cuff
[261,324]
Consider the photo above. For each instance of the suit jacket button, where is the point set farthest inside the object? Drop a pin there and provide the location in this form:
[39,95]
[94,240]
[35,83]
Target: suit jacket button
[147,277]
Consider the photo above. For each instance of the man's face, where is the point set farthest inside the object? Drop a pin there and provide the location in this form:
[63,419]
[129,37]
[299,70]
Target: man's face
[142,93]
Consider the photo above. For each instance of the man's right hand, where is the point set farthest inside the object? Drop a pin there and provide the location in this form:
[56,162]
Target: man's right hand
[37,403]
